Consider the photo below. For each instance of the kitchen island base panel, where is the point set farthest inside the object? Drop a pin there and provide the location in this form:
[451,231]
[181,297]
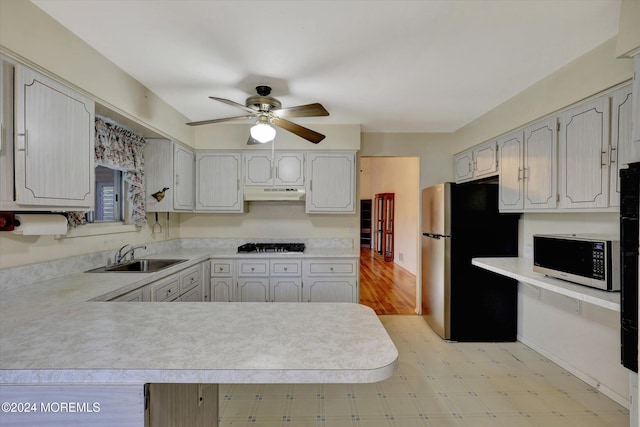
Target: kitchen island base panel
[65,405]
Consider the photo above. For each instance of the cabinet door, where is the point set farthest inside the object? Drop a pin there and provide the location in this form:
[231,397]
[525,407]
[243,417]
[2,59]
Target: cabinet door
[258,169]
[253,289]
[485,160]
[583,155]
[621,142]
[54,128]
[289,170]
[166,289]
[218,182]
[7,201]
[191,278]
[183,161]
[463,166]
[194,295]
[285,289]
[539,174]
[330,185]
[221,289]
[511,186]
[158,174]
[330,289]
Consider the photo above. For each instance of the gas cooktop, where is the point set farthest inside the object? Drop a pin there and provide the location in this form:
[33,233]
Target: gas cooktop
[271,247]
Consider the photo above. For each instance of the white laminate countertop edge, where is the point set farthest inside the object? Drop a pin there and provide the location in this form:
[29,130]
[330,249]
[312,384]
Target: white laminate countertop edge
[521,269]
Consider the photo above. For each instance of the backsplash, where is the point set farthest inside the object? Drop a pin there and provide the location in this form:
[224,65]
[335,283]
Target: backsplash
[14,277]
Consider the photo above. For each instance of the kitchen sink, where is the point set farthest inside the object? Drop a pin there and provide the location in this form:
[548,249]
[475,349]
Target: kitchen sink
[138,266]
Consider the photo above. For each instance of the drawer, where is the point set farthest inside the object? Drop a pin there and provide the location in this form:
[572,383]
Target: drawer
[166,290]
[253,268]
[331,267]
[286,267]
[190,279]
[223,268]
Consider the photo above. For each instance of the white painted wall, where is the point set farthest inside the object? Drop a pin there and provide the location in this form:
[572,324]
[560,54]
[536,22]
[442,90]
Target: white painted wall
[398,175]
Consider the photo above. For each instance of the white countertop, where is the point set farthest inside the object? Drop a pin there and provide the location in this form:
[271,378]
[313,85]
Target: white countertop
[521,269]
[51,332]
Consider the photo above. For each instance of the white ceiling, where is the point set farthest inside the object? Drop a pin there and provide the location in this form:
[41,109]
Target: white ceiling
[391,66]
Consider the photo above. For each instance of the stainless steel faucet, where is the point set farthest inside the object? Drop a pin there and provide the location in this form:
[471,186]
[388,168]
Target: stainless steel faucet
[120,256]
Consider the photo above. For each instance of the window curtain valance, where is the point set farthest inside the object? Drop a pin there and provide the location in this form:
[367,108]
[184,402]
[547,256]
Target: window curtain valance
[120,149]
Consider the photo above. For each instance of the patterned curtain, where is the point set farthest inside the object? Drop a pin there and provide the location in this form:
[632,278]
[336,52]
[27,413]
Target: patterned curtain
[120,149]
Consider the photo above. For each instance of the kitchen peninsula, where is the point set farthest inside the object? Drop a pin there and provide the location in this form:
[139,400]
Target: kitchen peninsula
[57,337]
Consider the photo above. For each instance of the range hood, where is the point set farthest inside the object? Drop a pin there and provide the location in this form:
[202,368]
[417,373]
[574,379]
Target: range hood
[273,194]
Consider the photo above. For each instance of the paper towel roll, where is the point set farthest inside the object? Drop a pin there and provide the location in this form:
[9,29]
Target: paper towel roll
[39,224]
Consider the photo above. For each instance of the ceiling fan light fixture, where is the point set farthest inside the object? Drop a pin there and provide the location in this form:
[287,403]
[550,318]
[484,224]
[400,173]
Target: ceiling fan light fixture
[262,131]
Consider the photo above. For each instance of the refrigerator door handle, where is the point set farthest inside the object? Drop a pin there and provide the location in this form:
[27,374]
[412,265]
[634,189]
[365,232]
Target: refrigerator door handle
[435,236]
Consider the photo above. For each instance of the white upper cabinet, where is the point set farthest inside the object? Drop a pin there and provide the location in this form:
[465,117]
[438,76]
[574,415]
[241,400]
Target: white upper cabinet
[621,139]
[540,165]
[183,178]
[218,179]
[330,184]
[463,166]
[527,159]
[584,155]
[477,162]
[169,170]
[54,143]
[281,170]
[510,159]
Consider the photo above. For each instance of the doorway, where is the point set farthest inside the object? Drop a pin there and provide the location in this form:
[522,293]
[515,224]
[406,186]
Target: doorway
[389,287]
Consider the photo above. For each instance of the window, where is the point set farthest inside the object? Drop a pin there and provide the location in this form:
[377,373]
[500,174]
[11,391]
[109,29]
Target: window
[109,196]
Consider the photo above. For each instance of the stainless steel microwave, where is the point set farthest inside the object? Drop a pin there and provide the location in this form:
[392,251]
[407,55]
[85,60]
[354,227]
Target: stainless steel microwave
[587,259]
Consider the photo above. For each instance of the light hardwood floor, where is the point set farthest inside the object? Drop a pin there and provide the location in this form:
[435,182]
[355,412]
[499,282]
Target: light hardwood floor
[384,286]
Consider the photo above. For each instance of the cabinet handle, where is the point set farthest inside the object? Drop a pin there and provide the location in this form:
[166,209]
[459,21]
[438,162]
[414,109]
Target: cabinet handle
[331,268]
[524,173]
[612,154]
[285,269]
[1,135]
[25,145]
[603,156]
[277,172]
[238,184]
[520,178]
[252,268]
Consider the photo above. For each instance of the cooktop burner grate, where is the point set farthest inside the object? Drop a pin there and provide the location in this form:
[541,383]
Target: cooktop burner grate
[271,247]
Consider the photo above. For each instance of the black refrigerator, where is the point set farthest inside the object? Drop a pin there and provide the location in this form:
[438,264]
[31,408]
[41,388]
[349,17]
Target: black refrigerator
[629,241]
[462,302]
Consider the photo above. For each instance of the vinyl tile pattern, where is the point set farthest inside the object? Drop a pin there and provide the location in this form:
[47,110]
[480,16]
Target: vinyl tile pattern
[436,384]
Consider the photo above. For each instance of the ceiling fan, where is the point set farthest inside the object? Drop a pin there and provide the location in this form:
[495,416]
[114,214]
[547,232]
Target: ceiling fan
[268,112]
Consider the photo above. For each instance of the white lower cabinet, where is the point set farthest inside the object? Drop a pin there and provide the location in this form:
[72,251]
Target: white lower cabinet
[185,285]
[222,277]
[283,280]
[165,289]
[330,280]
[269,280]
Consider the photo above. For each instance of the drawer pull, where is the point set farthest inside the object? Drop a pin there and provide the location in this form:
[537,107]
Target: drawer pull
[331,268]
[252,268]
[285,269]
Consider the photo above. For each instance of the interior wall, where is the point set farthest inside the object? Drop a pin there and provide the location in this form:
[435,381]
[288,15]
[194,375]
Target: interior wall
[34,37]
[597,70]
[398,175]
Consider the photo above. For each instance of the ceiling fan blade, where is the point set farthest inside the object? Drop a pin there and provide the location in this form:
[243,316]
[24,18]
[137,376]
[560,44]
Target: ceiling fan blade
[309,110]
[206,122]
[301,131]
[235,104]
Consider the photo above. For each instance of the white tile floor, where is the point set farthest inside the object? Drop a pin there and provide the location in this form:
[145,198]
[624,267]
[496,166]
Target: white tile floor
[436,384]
